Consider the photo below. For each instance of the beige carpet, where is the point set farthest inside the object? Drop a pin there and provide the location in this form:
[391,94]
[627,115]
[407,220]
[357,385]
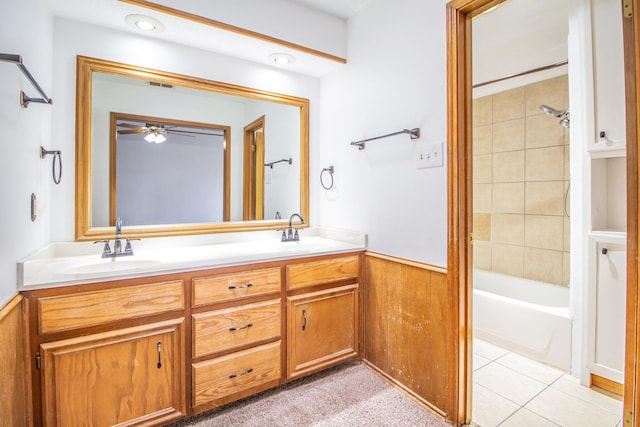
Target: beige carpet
[347,395]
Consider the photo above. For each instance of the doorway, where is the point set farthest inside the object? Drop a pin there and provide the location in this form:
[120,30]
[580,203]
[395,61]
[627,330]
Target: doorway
[459,15]
[253,176]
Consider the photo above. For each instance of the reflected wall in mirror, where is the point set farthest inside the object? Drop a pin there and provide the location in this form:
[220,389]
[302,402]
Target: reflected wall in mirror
[166,171]
[105,87]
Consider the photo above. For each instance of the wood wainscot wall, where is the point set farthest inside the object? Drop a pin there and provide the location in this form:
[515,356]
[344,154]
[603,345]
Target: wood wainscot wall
[15,407]
[405,327]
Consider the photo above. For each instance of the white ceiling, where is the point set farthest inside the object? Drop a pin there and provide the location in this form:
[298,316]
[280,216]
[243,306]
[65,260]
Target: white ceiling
[344,9]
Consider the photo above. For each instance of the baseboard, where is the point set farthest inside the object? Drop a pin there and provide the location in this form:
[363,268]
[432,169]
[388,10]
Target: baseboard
[612,388]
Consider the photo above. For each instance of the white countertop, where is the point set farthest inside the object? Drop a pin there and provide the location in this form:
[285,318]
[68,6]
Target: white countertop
[71,263]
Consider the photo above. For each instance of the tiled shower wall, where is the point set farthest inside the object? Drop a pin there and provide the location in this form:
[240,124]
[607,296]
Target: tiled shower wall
[520,176]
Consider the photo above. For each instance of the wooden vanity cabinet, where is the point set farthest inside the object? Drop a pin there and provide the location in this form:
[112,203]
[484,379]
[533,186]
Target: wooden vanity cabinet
[109,354]
[151,350]
[322,314]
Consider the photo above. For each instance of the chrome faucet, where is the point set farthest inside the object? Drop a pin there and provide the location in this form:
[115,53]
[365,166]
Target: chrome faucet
[288,235]
[117,244]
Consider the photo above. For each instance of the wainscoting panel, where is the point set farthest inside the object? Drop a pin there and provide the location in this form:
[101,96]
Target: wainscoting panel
[14,405]
[405,326]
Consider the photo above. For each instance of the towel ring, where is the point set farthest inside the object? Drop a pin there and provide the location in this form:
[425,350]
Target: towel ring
[330,170]
[57,154]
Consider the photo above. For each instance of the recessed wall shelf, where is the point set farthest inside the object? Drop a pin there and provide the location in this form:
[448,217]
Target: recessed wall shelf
[24,99]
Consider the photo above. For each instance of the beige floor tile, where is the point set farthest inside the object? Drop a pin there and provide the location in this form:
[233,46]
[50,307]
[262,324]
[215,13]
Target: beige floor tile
[487,350]
[526,418]
[569,411]
[571,386]
[537,371]
[508,383]
[479,361]
[489,409]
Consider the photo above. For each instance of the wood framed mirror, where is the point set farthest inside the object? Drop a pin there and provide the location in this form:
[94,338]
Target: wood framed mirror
[106,87]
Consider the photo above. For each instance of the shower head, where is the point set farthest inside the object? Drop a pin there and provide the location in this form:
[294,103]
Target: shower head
[552,111]
[563,115]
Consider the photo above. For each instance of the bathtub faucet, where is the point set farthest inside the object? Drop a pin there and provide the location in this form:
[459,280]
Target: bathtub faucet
[288,235]
[117,244]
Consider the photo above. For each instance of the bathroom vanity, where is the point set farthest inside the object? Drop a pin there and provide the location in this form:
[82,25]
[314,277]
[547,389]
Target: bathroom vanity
[151,342]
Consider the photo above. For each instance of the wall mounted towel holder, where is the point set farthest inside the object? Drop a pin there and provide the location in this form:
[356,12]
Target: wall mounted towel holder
[414,133]
[270,164]
[57,154]
[24,99]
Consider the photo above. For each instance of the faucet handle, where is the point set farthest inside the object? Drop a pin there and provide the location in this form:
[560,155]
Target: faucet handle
[106,249]
[128,248]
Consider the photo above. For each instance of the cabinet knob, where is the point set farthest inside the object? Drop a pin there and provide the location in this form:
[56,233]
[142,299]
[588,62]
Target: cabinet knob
[159,345]
[604,251]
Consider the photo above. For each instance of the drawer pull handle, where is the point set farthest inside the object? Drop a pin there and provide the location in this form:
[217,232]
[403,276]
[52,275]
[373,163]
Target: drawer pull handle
[248,285]
[304,319]
[242,374]
[159,345]
[248,325]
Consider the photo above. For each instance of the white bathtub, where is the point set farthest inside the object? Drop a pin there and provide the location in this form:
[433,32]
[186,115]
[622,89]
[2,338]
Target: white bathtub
[527,317]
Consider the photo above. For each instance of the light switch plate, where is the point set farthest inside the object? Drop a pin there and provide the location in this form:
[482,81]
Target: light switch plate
[430,155]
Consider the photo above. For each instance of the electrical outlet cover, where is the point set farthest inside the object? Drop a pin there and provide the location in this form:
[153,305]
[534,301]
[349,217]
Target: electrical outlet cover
[430,155]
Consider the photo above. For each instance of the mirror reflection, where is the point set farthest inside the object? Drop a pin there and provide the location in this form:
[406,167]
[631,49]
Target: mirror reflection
[232,189]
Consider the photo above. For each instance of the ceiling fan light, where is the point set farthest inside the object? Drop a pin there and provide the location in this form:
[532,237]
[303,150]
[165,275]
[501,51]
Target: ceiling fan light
[160,138]
[150,137]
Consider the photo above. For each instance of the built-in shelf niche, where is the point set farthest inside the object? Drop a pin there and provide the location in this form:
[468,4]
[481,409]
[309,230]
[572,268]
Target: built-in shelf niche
[609,194]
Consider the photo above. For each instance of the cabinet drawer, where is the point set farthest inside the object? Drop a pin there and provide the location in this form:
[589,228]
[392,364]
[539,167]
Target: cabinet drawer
[218,378]
[319,272]
[221,330]
[84,309]
[225,287]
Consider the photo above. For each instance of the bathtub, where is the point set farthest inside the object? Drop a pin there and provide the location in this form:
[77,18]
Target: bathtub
[526,317]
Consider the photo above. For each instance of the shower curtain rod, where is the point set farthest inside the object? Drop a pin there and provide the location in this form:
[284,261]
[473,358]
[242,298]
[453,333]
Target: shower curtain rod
[523,73]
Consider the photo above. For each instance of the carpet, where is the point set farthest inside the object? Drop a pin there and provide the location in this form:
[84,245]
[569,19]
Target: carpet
[347,395]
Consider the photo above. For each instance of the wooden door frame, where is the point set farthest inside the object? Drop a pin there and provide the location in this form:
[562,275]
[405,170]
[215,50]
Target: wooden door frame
[459,298]
[459,15]
[250,169]
[631,37]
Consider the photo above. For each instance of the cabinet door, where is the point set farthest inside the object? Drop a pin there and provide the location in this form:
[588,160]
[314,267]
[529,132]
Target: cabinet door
[123,377]
[321,329]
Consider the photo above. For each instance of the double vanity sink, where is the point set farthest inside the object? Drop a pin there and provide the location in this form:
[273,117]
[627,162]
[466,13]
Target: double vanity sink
[61,264]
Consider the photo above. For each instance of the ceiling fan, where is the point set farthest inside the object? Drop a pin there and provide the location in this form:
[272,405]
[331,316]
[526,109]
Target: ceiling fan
[157,132]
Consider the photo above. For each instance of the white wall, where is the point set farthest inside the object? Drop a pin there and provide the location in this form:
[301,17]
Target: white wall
[26,30]
[395,78]
[73,38]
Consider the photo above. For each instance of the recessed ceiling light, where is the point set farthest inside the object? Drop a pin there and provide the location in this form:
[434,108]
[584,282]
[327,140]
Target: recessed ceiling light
[143,22]
[282,58]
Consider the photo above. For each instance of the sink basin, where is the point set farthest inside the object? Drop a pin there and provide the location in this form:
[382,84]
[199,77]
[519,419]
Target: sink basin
[110,265]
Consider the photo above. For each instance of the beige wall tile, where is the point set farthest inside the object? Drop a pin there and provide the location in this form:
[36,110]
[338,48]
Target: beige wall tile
[507,228]
[566,246]
[482,226]
[543,131]
[482,169]
[482,200]
[508,197]
[567,163]
[508,135]
[508,166]
[507,259]
[482,111]
[482,255]
[508,105]
[544,232]
[552,92]
[482,139]
[544,164]
[544,198]
[566,269]
[543,265]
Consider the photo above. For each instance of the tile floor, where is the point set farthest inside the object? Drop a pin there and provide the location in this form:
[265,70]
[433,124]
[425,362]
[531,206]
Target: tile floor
[511,390]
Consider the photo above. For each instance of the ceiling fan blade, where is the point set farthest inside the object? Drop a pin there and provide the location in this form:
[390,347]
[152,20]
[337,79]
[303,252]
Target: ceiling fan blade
[132,131]
[128,125]
[198,133]
[177,132]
